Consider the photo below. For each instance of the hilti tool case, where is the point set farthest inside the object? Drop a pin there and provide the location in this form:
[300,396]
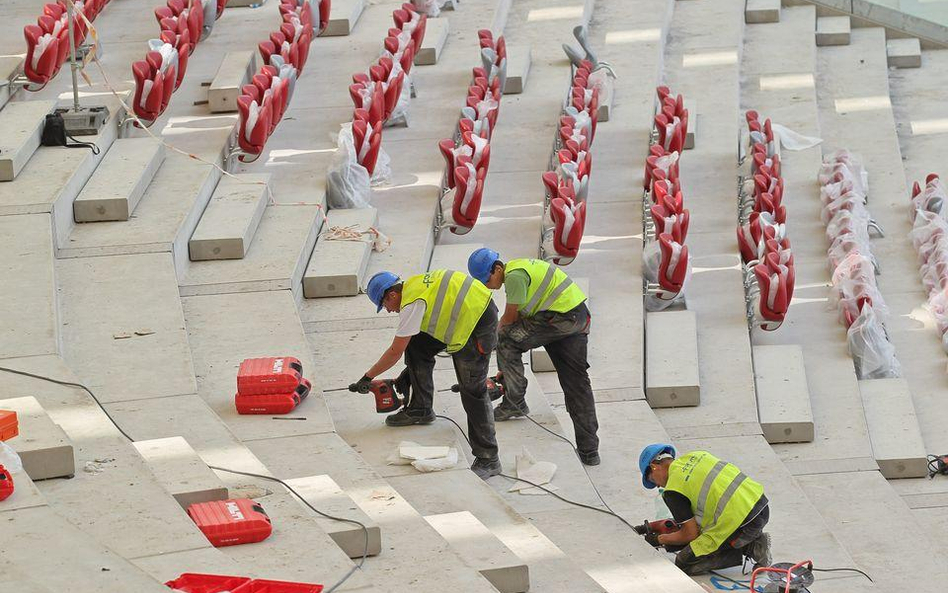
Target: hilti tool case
[9,425]
[231,522]
[272,385]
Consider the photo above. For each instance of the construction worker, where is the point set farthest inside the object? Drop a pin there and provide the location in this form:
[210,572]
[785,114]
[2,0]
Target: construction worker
[721,511]
[441,310]
[544,308]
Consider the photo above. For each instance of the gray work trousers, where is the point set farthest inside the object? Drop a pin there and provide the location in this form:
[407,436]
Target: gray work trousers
[730,553]
[470,365]
[565,337]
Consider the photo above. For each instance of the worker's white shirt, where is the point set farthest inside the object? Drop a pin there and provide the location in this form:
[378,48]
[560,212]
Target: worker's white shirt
[409,319]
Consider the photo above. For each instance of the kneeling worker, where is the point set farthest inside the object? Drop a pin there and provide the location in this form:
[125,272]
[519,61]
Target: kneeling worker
[721,511]
[441,310]
[544,308]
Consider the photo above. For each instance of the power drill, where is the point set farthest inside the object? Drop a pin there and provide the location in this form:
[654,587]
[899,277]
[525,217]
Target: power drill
[652,529]
[495,387]
[386,398]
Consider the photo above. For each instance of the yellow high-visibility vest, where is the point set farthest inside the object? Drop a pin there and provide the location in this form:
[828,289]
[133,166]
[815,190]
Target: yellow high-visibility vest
[454,303]
[550,288]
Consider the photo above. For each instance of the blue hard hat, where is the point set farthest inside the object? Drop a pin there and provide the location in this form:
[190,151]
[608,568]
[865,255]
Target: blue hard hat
[648,454]
[377,286]
[481,262]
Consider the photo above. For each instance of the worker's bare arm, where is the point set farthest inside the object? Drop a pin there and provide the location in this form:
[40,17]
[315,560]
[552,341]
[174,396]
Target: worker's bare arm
[689,532]
[390,357]
[511,315]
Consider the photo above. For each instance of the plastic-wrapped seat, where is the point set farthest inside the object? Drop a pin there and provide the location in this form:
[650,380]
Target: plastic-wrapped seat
[369,96]
[408,19]
[776,289]
[473,149]
[367,140]
[673,266]
[253,126]
[569,221]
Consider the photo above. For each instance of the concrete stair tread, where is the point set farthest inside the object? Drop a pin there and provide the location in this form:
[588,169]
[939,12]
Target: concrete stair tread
[671,371]
[343,16]
[21,125]
[436,36]
[519,61]
[762,11]
[180,470]
[337,267]
[10,67]
[236,69]
[897,444]
[783,398]
[119,181]
[44,449]
[904,53]
[229,222]
[832,30]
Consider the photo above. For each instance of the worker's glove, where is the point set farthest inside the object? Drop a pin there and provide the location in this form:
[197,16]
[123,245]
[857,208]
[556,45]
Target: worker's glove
[362,385]
[652,539]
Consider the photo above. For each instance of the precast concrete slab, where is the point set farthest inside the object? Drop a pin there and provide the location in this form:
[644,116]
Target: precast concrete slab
[283,242]
[14,578]
[168,567]
[671,359]
[539,359]
[237,68]
[181,471]
[338,264]
[762,11]
[21,125]
[436,36]
[343,16]
[482,551]
[10,68]
[223,330]
[29,315]
[230,220]
[903,53]
[44,449]
[519,60]
[893,428]
[118,311]
[324,494]
[832,30]
[783,397]
[120,180]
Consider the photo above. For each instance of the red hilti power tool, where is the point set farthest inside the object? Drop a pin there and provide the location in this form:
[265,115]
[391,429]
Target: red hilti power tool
[390,394]
[495,387]
[6,483]
[652,529]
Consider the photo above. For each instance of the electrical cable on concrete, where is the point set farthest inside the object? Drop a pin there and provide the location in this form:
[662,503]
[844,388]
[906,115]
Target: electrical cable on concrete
[365,530]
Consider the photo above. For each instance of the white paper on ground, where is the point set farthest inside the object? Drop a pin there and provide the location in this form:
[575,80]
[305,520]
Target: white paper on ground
[424,458]
[435,465]
[793,140]
[538,472]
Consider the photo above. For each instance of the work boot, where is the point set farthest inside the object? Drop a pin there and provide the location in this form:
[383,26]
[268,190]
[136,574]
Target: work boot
[486,468]
[589,457]
[405,417]
[759,551]
[507,411]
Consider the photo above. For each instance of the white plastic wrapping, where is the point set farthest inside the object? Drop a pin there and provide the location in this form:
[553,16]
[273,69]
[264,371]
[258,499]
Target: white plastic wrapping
[399,115]
[347,182]
[873,354]
[9,458]
[429,7]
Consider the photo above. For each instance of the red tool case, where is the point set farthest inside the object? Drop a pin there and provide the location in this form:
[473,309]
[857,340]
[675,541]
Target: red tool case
[231,522]
[264,586]
[6,483]
[206,583]
[264,376]
[9,425]
[272,403]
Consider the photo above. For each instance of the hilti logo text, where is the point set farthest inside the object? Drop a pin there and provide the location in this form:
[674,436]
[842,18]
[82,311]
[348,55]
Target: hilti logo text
[234,511]
[278,365]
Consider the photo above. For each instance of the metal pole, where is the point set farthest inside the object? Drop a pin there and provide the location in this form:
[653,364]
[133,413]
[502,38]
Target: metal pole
[72,53]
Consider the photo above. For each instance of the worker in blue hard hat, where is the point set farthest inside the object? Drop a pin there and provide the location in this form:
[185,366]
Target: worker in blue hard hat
[544,309]
[441,310]
[721,511]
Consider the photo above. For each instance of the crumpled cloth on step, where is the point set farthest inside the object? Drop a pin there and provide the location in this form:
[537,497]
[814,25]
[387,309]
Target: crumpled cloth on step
[538,472]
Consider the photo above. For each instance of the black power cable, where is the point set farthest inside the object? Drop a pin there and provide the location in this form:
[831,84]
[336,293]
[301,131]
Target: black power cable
[365,530]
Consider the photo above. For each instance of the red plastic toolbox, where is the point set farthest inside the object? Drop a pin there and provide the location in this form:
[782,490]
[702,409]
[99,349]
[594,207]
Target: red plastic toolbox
[265,586]
[263,376]
[9,425]
[231,522]
[274,403]
[206,583]
[6,483]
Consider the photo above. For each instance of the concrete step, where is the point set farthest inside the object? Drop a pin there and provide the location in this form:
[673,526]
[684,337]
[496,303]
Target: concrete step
[25,493]
[337,267]
[283,242]
[452,256]
[832,30]
[18,580]
[181,471]
[783,398]
[519,60]
[237,68]
[436,36]
[231,218]
[482,551]
[131,313]
[324,494]
[671,359]
[903,53]
[167,567]
[762,11]
[539,359]
[43,447]
[28,299]
[10,67]
[21,125]
[114,190]
[893,428]
[343,16]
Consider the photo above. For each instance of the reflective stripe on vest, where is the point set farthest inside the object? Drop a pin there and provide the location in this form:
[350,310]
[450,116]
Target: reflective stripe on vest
[721,496]
[454,303]
[550,288]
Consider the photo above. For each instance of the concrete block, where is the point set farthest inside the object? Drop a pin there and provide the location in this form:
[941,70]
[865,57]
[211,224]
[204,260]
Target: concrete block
[783,397]
[762,11]
[343,16]
[481,550]
[120,180]
[337,267]
[231,218]
[606,95]
[324,494]
[671,359]
[832,30]
[904,53]
[181,472]
[893,428]
[436,35]
[539,360]
[236,69]
[519,60]
[21,125]
[10,67]
[43,447]
[692,106]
